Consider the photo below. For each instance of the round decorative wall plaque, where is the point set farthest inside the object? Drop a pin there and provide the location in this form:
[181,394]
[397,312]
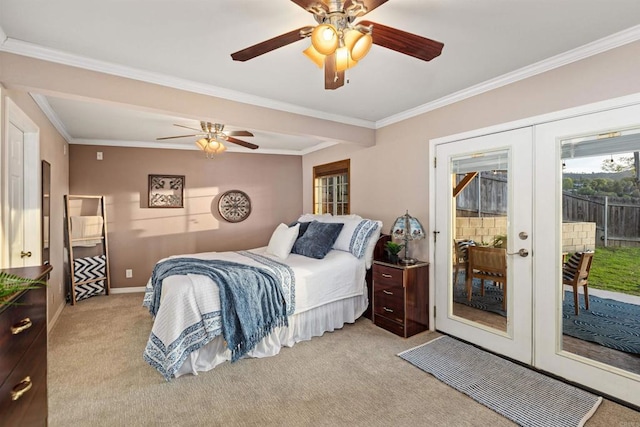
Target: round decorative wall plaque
[234,206]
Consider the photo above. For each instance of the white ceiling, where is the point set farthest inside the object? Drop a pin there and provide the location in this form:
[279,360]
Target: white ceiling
[188,44]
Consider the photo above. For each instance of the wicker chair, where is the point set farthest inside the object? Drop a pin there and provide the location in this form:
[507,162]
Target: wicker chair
[488,264]
[461,257]
[575,272]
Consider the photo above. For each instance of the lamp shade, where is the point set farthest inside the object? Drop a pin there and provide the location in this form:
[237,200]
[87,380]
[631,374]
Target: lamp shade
[315,56]
[407,228]
[343,59]
[210,145]
[358,44]
[325,39]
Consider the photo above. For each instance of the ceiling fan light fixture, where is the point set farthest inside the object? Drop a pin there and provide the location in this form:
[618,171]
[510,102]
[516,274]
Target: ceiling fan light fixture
[315,56]
[324,39]
[343,59]
[358,44]
[210,146]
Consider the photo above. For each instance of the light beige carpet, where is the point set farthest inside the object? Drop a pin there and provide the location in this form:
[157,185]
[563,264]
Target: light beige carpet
[97,377]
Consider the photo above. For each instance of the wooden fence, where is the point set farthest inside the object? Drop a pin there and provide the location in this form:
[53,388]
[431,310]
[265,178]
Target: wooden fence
[617,220]
[485,196]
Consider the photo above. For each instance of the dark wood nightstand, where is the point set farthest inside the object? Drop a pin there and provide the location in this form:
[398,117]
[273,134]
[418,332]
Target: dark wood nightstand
[401,297]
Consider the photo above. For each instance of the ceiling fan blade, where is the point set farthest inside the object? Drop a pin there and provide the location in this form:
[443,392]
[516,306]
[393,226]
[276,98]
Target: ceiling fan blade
[187,127]
[332,79]
[239,133]
[271,44]
[403,42]
[179,136]
[306,4]
[241,142]
[368,4]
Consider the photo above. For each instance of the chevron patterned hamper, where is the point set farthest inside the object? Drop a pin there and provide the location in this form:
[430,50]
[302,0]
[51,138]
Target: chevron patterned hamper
[88,269]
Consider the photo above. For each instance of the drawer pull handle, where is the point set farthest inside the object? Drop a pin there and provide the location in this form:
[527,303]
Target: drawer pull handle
[386,276]
[388,310]
[386,292]
[21,326]
[21,388]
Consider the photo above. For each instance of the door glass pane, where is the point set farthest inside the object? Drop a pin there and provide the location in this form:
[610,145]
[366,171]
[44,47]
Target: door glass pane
[601,248]
[478,250]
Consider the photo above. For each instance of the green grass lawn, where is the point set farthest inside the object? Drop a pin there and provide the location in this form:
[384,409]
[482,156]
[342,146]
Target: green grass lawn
[616,270]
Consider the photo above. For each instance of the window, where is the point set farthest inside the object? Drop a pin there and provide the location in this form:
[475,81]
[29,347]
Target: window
[331,188]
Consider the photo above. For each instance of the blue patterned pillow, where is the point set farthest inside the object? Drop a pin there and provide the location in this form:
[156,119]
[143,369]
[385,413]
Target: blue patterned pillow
[318,240]
[360,237]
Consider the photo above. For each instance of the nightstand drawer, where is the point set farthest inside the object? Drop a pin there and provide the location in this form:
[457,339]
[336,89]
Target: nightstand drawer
[387,275]
[389,302]
[390,325]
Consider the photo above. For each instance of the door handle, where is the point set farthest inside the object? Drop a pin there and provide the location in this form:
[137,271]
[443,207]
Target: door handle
[24,254]
[522,252]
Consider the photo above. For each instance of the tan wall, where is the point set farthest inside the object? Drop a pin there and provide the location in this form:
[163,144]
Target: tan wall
[578,236]
[53,149]
[140,236]
[392,176]
[480,230]
[386,179]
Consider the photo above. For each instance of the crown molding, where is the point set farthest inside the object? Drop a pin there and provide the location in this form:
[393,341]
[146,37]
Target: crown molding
[607,43]
[44,105]
[31,50]
[191,147]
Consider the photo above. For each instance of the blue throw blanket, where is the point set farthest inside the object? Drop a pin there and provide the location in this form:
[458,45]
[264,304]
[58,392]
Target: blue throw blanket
[251,298]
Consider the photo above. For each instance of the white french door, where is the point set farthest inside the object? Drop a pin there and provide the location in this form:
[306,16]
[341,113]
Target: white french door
[533,327]
[499,167]
[582,138]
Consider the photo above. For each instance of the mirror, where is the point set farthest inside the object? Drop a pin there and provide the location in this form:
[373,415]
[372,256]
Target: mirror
[601,248]
[46,210]
[478,250]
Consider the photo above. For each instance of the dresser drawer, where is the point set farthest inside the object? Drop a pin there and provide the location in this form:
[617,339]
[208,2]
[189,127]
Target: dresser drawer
[19,326]
[387,275]
[31,407]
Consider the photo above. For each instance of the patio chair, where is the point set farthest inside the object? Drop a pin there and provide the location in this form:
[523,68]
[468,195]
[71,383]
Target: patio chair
[575,272]
[461,256]
[487,263]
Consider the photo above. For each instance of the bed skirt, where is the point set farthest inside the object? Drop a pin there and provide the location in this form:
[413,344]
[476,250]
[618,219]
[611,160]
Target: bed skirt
[302,327]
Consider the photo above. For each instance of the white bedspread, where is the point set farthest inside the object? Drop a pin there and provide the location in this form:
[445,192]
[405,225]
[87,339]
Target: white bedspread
[189,313]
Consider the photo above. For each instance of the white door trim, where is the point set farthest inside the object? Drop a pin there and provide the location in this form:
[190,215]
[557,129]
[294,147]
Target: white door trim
[32,200]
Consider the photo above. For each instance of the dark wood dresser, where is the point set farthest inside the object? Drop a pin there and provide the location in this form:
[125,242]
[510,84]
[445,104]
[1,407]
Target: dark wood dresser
[401,297]
[23,353]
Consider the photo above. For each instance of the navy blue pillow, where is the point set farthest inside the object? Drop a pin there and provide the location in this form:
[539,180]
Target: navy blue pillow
[318,240]
[303,227]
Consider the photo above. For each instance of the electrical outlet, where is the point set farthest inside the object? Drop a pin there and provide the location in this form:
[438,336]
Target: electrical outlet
[99,155]
[128,273]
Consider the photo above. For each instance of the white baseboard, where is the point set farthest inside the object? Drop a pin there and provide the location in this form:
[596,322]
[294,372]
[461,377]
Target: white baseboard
[130,290]
[55,317]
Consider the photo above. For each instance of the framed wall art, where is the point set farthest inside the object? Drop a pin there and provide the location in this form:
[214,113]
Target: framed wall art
[166,191]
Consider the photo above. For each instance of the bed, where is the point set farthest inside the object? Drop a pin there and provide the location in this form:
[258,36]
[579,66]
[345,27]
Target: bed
[319,262]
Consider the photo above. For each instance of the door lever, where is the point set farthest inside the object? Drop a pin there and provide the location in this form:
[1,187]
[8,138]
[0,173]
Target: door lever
[522,252]
[24,254]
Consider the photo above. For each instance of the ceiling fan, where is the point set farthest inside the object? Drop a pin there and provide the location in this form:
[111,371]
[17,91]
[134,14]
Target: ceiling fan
[338,44]
[212,137]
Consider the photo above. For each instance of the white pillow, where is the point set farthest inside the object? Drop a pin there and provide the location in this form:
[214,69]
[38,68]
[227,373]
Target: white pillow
[314,217]
[282,240]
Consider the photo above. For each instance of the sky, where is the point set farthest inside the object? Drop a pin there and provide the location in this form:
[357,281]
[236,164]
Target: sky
[589,164]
